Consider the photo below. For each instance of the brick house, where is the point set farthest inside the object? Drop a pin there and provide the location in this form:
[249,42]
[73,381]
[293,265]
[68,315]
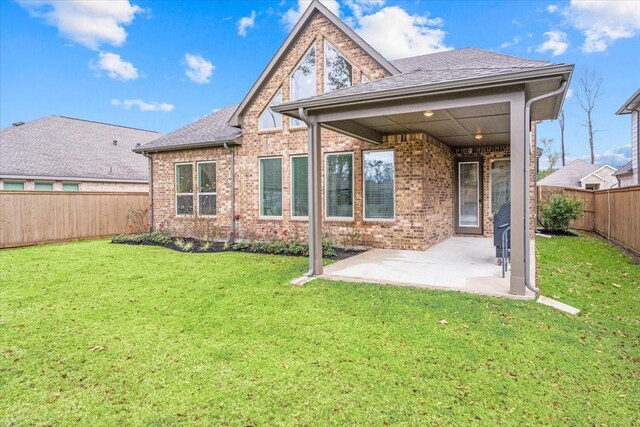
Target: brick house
[334,139]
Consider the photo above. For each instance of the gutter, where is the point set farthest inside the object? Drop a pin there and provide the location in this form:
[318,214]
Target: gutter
[527,183]
[177,147]
[232,178]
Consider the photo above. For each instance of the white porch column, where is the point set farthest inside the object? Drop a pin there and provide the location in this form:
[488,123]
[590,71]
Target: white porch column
[519,197]
[315,200]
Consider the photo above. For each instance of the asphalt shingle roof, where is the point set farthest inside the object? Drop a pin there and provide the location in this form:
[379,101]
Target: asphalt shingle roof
[625,169]
[570,175]
[57,146]
[211,128]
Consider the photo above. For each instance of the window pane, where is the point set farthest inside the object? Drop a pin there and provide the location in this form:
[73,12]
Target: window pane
[378,185]
[184,205]
[206,177]
[207,204]
[500,184]
[14,186]
[70,187]
[184,179]
[338,70]
[300,186]
[44,186]
[303,81]
[339,185]
[271,187]
[269,119]
[468,194]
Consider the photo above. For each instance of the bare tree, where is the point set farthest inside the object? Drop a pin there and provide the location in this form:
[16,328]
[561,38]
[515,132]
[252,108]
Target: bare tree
[561,123]
[588,93]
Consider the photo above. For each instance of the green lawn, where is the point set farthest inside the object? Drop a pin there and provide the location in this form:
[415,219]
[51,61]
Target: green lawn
[93,333]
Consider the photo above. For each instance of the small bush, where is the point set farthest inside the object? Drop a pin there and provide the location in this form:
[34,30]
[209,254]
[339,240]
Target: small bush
[328,249]
[159,238]
[184,246]
[207,246]
[559,210]
[130,238]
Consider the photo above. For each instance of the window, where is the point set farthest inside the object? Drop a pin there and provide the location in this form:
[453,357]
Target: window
[339,186]
[364,79]
[303,80]
[592,186]
[500,183]
[271,187]
[299,187]
[207,188]
[337,70]
[44,186]
[13,186]
[184,189]
[269,119]
[379,197]
[70,187]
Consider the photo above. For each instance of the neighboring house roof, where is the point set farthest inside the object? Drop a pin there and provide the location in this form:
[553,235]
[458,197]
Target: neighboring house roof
[65,147]
[211,130]
[598,173]
[315,6]
[624,170]
[570,175]
[632,104]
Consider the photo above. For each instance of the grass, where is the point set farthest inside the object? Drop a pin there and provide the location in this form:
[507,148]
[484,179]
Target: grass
[98,334]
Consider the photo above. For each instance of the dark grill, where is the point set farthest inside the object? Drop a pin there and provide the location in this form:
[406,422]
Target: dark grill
[501,221]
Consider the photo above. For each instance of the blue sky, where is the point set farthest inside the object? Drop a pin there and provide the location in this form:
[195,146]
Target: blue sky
[161,65]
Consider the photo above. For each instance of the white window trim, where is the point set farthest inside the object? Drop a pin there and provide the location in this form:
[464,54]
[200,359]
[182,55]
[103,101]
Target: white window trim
[70,183]
[353,188]
[479,206]
[10,181]
[261,129]
[294,217]
[175,183]
[364,195]
[199,193]
[491,181]
[324,66]
[291,119]
[260,216]
[53,185]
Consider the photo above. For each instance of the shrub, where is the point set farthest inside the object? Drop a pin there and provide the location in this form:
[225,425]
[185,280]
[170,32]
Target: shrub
[559,210]
[130,238]
[327,247]
[183,245]
[207,246]
[159,238]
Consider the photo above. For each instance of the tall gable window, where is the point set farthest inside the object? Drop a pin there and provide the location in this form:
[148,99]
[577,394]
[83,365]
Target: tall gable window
[303,80]
[270,119]
[338,71]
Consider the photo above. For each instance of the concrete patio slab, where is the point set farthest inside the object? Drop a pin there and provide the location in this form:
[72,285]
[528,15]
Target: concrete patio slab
[465,264]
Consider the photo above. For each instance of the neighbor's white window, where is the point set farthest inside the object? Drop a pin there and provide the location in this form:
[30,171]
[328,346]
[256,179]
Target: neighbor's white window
[13,186]
[379,185]
[270,119]
[500,183]
[207,188]
[339,186]
[184,189]
[338,71]
[299,187]
[303,80]
[44,186]
[271,187]
[69,186]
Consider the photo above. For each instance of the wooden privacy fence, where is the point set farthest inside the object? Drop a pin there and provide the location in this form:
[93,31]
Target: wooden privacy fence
[614,214]
[28,217]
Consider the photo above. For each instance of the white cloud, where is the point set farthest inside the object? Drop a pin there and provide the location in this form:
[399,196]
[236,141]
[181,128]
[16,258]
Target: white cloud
[246,22]
[127,104]
[89,23]
[516,40]
[115,67]
[556,43]
[552,8]
[603,22]
[291,16]
[396,34]
[569,93]
[616,157]
[199,70]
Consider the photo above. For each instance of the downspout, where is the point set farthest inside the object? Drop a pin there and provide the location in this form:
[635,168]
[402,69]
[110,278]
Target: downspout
[232,233]
[151,223]
[527,183]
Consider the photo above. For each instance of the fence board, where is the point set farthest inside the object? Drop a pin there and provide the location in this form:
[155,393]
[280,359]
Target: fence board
[586,222]
[29,217]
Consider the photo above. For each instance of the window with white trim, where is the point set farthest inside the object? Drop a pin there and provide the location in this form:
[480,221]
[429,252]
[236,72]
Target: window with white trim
[338,71]
[207,195]
[271,187]
[270,119]
[303,80]
[379,184]
[184,189]
[299,187]
[44,186]
[339,186]
[13,186]
[70,186]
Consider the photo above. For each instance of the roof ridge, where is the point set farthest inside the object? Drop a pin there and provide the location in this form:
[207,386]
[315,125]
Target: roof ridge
[104,123]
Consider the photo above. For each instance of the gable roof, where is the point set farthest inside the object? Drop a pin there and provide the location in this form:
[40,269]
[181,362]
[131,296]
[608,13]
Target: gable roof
[598,174]
[632,104]
[570,175]
[210,131]
[66,147]
[315,7]
[626,169]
